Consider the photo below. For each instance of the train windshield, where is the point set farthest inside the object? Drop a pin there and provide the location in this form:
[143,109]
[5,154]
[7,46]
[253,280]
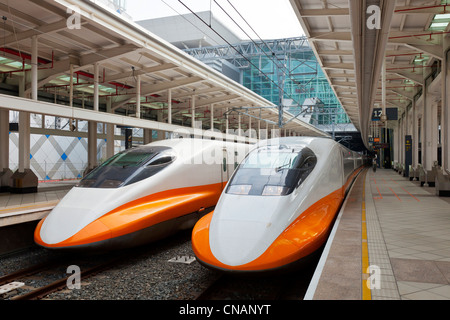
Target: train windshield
[272,171]
[128,167]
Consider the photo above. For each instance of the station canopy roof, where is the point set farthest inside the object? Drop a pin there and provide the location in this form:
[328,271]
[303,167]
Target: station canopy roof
[353,38]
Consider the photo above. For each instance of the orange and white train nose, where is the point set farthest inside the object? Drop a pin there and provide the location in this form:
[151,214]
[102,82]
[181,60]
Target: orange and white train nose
[266,245]
[70,226]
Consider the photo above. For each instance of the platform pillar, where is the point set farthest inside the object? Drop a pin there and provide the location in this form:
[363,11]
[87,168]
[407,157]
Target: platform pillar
[5,172]
[227,123]
[212,117]
[96,87]
[423,176]
[169,106]
[258,136]
[138,96]
[401,133]
[443,175]
[34,68]
[148,133]
[397,142]
[193,112]
[109,140]
[239,125]
[92,146]
[445,120]
[24,180]
[161,135]
[431,136]
[250,127]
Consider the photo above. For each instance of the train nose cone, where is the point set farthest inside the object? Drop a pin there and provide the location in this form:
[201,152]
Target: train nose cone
[64,222]
[238,242]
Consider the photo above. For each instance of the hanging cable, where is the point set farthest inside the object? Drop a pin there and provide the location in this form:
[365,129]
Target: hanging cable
[270,57]
[240,53]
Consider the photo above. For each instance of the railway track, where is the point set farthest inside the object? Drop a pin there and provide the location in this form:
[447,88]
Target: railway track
[62,283]
[138,273]
[51,275]
[288,286]
[56,267]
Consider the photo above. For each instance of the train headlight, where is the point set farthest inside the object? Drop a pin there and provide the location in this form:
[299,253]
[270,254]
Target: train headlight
[85,183]
[241,189]
[275,191]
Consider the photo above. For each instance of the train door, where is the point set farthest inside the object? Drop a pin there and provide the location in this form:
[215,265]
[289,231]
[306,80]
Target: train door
[224,168]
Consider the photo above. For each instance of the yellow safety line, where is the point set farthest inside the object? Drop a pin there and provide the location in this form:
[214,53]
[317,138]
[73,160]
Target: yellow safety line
[366,294]
[36,205]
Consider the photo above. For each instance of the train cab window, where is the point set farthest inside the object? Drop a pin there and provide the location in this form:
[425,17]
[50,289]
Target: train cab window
[162,159]
[128,167]
[273,171]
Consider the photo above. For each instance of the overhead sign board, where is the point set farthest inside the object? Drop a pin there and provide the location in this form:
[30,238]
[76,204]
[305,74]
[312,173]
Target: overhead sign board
[391,114]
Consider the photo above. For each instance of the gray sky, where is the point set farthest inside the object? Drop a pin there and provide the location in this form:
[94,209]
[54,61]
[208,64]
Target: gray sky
[271,19]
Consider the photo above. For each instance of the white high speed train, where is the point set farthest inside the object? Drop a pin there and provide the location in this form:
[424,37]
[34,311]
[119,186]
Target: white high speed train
[279,206]
[141,195]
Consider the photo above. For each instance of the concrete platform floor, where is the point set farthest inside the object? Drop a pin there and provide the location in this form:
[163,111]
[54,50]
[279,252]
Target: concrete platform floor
[398,229]
[19,208]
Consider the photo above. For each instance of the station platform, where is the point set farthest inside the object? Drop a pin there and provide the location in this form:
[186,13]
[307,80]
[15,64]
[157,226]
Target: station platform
[20,208]
[398,229]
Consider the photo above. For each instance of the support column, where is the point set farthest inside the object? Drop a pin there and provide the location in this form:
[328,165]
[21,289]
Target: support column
[161,135]
[429,145]
[227,121]
[96,89]
[402,143]
[169,106]
[92,146]
[138,96]
[250,127]
[397,143]
[109,140]
[443,176]
[415,138]
[34,68]
[383,114]
[92,127]
[258,136]
[446,106]
[212,117]
[24,180]
[148,136]
[109,131]
[193,112]
[5,172]
[239,125]
[24,141]
[71,86]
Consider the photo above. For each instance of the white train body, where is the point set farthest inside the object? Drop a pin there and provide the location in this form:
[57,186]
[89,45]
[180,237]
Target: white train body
[141,195]
[273,214]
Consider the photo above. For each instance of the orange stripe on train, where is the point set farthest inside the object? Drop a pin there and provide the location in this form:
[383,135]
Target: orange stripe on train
[142,213]
[304,236]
